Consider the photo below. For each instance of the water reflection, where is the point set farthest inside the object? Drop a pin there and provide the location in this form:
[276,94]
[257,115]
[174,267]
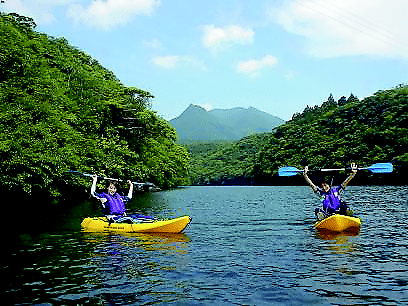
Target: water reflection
[330,235]
[138,264]
[338,243]
[168,242]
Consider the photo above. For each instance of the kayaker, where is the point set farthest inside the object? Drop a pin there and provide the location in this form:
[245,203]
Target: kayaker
[331,202]
[112,202]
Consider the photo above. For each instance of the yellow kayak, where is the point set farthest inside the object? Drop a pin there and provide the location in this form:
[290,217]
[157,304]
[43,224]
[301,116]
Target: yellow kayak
[101,224]
[339,223]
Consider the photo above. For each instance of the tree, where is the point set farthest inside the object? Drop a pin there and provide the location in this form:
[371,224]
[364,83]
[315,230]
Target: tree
[60,109]
[342,101]
[352,98]
[329,103]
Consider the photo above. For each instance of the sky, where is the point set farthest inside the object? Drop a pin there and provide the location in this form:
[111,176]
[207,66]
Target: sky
[278,56]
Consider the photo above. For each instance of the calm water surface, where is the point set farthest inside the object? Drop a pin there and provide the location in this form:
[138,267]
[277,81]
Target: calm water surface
[245,246]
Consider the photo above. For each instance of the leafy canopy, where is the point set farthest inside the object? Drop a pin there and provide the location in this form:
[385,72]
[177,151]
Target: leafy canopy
[60,110]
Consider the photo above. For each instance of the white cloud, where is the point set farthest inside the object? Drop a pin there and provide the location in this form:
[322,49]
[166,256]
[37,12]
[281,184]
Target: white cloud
[106,14]
[169,61]
[253,67]
[177,61]
[217,39]
[347,27]
[40,10]
[103,14]
[154,43]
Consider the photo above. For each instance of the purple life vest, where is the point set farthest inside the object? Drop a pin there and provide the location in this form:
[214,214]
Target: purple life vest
[331,200]
[115,204]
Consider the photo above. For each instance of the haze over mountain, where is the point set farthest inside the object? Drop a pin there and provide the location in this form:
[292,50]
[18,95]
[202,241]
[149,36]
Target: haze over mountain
[198,124]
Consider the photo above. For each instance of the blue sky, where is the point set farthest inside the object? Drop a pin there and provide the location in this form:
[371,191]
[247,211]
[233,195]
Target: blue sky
[275,55]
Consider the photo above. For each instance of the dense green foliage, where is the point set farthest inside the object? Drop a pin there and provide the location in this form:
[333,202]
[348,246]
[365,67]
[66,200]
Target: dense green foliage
[331,135]
[60,110]
[220,163]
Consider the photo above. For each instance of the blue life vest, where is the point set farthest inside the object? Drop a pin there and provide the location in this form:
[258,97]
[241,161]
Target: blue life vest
[115,204]
[331,200]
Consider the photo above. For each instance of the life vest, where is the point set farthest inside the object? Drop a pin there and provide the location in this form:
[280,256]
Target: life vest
[331,200]
[115,204]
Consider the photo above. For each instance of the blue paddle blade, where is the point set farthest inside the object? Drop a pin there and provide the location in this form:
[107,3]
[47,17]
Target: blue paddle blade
[288,171]
[381,168]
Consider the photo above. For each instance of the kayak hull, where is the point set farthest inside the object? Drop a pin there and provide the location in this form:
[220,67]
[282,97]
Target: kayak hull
[339,223]
[101,224]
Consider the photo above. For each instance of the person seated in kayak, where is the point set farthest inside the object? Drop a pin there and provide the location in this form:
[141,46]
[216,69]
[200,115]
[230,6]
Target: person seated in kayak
[331,202]
[112,202]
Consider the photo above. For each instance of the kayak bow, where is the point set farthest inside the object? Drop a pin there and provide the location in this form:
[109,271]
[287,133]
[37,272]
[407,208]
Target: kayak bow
[339,223]
[101,224]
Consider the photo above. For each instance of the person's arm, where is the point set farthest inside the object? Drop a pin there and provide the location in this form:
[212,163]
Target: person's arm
[93,190]
[350,177]
[93,187]
[130,193]
[308,180]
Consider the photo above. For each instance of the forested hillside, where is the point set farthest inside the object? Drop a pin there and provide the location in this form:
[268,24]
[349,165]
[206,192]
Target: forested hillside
[220,163]
[61,110]
[331,135]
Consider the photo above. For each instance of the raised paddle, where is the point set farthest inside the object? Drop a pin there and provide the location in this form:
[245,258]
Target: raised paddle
[375,168]
[108,178]
[288,171]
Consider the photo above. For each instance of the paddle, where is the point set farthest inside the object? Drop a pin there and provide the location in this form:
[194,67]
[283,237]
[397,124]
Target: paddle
[375,168]
[288,171]
[108,178]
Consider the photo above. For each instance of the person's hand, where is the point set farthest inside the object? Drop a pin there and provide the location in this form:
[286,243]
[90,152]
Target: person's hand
[94,177]
[130,182]
[354,167]
[306,169]
[103,201]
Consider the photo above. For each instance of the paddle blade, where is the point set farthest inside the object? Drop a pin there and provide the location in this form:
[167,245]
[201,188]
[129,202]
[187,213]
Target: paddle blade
[78,173]
[381,168]
[288,171]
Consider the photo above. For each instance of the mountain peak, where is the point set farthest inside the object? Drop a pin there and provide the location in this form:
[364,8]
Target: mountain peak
[195,106]
[198,124]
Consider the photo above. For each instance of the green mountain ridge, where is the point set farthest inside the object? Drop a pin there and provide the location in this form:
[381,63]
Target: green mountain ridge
[332,135]
[197,124]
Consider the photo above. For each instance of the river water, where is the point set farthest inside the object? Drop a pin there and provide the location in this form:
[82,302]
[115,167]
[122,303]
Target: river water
[245,246]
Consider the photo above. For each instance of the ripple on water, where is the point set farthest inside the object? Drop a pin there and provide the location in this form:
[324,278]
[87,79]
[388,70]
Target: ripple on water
[246,246]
